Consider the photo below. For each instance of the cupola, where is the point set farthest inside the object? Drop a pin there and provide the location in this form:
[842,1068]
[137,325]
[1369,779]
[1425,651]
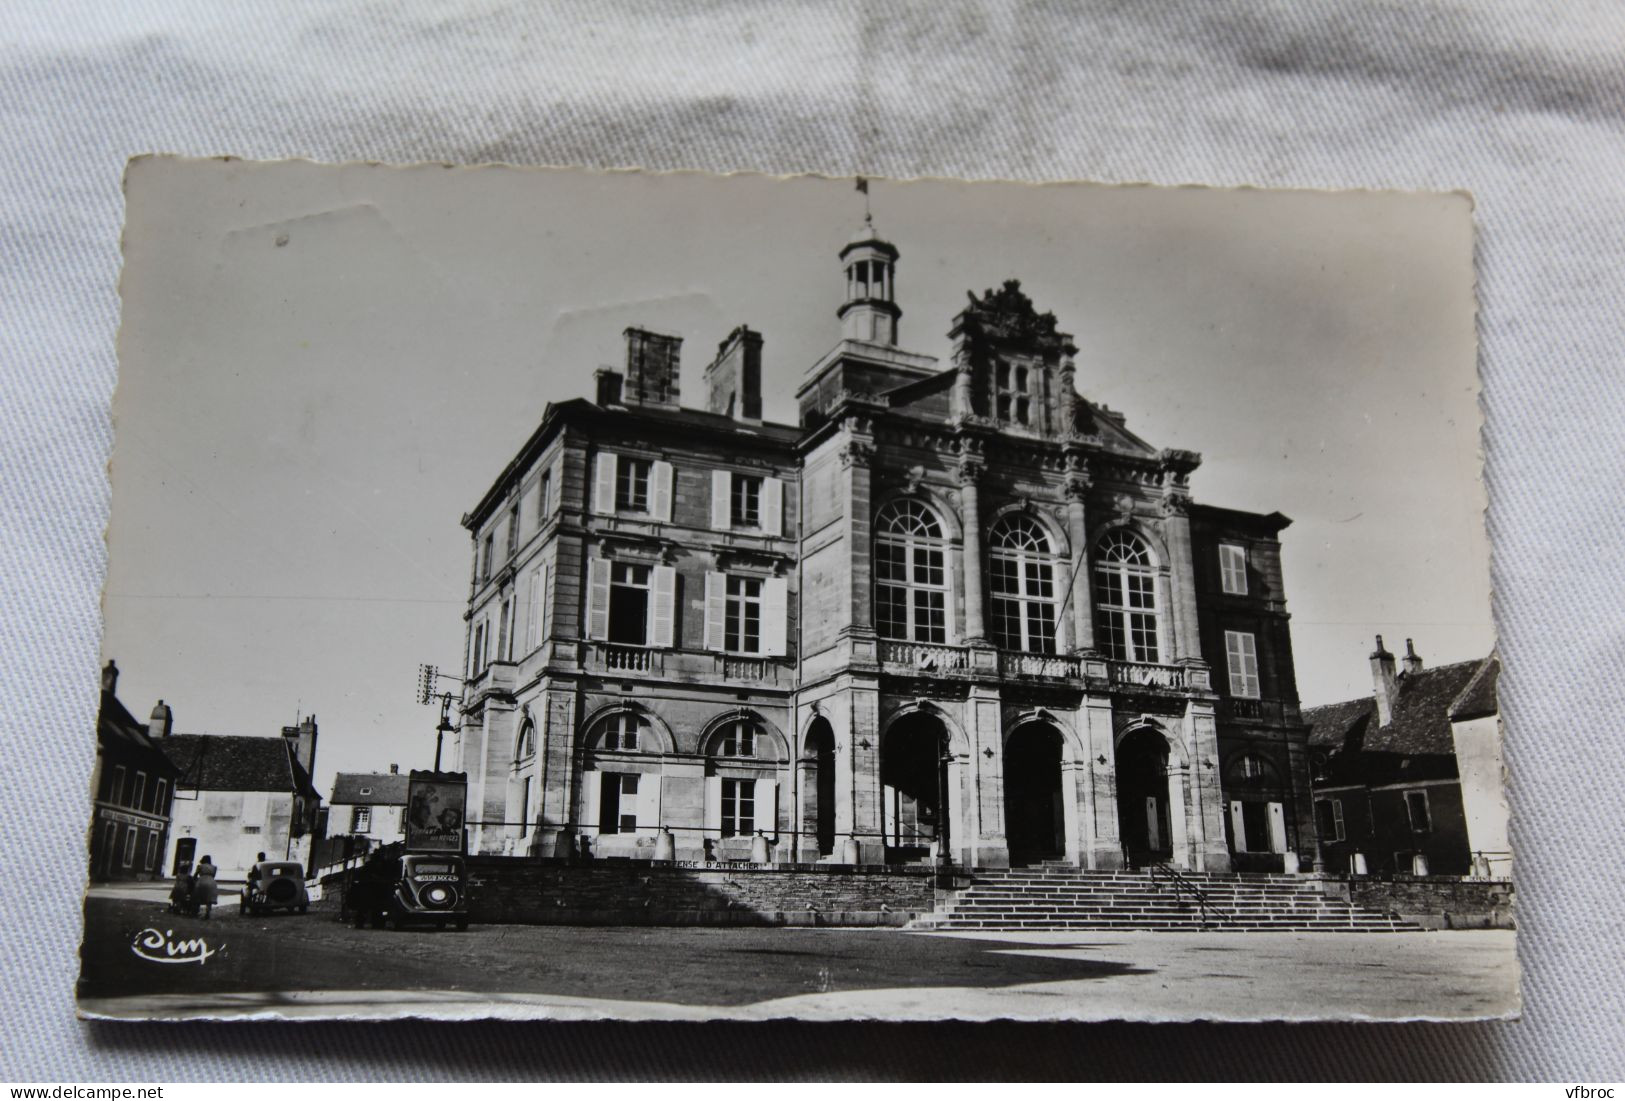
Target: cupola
[870,312]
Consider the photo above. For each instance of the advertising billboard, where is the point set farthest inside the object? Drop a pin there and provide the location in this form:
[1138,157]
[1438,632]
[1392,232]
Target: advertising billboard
[435,805]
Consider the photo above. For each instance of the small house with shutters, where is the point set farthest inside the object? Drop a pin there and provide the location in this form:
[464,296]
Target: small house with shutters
[132,788]
[955,611]
[369,805]
[1408,780]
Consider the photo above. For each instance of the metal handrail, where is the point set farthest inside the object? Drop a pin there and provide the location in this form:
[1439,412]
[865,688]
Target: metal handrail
[1181,883]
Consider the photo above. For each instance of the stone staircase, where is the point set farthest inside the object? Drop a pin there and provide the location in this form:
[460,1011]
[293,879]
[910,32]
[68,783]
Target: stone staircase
[1059,896]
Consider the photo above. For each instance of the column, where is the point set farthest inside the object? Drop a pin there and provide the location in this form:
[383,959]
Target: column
[1176,531]
[856,455]
[1083,613]
[970,519]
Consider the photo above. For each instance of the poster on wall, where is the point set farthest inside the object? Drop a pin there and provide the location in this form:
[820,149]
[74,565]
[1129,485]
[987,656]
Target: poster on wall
[435,802]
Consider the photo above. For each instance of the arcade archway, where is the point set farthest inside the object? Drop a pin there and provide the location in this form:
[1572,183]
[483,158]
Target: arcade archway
[818,786]
[1144,814]
[914,778]
[1034,815]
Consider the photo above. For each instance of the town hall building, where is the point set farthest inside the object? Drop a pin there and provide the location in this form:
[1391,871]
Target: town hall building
[958,613]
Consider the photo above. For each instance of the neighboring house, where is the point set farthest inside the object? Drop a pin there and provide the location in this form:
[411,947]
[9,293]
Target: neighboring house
[955,609]
[238,796]
[1408,780]
[132,787]
[370,805]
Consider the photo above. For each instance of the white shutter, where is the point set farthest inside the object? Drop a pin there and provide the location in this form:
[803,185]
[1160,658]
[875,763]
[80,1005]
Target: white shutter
[603,484]
[662,606]
[591,785]
[950,574]
[716,610]
[713,806]
[649,802]
[772,506]
[1238,826]
[660,505]
[767,806]
[598,598]
[775,617]
[721,500]
[533,617]
[1337,819]
[1277,829]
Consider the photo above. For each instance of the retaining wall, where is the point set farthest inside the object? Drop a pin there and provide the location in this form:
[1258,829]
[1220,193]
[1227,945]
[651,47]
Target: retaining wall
[1438,902]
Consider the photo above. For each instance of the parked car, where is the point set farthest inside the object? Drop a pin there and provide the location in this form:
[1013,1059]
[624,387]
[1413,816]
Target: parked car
[275,885]
[416,889]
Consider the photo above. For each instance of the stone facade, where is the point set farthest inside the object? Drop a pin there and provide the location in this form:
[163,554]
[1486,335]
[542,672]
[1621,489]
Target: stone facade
[955,613]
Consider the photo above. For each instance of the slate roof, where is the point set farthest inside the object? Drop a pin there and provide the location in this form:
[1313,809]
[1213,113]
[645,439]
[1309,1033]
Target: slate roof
[117,728]
[386,789]
[235,762]
[1478,698]
[1422,713]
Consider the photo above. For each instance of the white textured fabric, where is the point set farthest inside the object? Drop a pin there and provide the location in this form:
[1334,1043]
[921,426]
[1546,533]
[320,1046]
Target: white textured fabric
[1521,103]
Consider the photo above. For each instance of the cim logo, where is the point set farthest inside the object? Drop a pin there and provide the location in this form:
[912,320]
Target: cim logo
[158,947]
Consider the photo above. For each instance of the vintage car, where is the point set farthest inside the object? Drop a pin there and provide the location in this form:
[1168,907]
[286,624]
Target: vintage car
[275,885]
[415,889]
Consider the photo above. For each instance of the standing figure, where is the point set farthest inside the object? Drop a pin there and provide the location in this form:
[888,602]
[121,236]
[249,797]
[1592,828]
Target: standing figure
[206,893]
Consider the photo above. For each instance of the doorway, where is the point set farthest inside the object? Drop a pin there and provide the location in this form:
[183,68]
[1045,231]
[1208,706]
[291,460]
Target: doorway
[914,788]
[818,812]
[1144,820]
[1034,819]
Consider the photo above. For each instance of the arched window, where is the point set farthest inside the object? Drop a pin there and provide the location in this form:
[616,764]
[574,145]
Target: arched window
[911,574]
[1022,584]
[1126,598]
[624,731]
[525,746]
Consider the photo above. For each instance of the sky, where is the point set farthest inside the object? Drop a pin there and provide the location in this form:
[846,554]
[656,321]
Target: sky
[323,367]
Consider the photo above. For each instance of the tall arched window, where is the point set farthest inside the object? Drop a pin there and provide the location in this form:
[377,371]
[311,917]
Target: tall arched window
[525,746]
[911,574]
[1021,565]
[1126,598]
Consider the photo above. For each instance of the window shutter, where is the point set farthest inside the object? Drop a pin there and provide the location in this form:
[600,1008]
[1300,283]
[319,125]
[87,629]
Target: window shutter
[721,500]
[662,606]
[649,802]
[660,505]
[713,806]
[1337,819]
[775,617]
[767,806]
[533,618]
[716,610]
[1238,826]
[772,506]
[591,786]
[603,484]
[950,574]
[1277,829]
[598,598]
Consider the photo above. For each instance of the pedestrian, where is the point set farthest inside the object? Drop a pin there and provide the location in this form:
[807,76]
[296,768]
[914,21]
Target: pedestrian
[206,893]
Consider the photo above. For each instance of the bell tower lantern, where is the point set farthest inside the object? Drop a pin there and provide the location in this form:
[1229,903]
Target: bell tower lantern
[869,313]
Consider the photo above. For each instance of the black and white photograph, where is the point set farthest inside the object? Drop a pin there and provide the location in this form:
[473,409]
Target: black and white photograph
[551,593]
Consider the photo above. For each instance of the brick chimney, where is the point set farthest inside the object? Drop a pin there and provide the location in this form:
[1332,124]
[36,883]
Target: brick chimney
[1412,664]
[733,381]
[1384,684]
[162,722]
[606,386]
[110,678]
[653,364]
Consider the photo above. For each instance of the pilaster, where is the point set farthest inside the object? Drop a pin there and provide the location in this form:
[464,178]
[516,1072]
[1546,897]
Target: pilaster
[1077,525]
[971,467]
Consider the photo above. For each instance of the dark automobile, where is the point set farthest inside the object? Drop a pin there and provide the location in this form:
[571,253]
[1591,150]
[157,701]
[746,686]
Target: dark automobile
[414,889]
[275,885]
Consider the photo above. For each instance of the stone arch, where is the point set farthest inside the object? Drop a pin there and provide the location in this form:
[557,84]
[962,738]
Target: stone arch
[1140,528]
[946,511]
[714,729]
[592,726]
[1072,744]
[1176,744]
[958,741]
[1060,545]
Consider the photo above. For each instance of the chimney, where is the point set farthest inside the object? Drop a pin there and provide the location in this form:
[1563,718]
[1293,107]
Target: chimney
[733,381]
[110,678]
[607,386]
[303,738]
[394,769]
[162,722]
[1413,661]
[1384,684]
[653,364]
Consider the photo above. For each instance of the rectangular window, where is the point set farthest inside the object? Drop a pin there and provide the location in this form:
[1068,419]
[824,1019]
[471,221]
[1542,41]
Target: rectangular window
[116,792]
[1416,805]
[130,833]
[504,620]
[632,485]
[159,794]
[139,799]
[618,803]
[1329,815]
[738,808]
[747,501]
[360,819]
[1242,655]
[629,604]
[152,852]
[534,622]
[1233,569]
[743,630]
[544,498]
[621,732]
[739,740]
[486,551]
[513,531]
